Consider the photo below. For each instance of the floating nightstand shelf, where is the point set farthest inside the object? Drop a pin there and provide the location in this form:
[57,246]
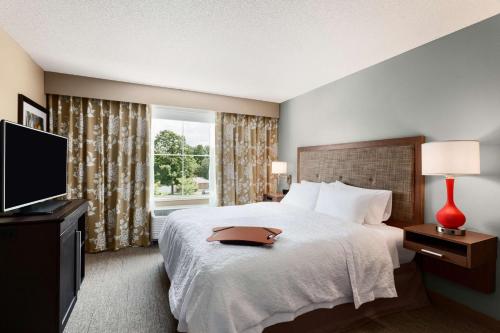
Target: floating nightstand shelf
[276,197]
[469,260]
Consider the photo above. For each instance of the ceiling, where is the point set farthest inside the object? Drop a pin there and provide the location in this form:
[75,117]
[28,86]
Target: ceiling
[268,50]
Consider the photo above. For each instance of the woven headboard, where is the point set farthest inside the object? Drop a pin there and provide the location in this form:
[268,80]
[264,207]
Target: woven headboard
[393,164]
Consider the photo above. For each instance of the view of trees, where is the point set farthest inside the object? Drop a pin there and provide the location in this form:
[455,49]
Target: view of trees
[175,165]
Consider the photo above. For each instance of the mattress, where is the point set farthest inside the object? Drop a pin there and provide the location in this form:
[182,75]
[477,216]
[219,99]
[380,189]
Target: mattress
[394,239]
[318,262]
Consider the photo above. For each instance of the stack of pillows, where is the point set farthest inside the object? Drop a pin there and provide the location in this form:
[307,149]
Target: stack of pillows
[344,202]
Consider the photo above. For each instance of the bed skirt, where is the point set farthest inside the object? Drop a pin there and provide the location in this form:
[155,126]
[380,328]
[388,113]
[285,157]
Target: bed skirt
[411,295]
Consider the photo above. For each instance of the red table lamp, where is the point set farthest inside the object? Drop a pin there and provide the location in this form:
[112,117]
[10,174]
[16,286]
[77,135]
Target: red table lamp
[450,159]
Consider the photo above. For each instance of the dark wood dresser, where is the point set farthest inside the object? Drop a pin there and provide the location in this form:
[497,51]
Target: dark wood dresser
[41,268]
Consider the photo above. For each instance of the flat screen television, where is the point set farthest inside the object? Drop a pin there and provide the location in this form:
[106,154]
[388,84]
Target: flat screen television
[33,166]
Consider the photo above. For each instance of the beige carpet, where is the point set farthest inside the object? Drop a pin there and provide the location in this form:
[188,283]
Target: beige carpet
[127,291]
[123,291]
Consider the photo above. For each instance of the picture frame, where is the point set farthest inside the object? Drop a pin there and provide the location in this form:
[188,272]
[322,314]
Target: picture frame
[32,114]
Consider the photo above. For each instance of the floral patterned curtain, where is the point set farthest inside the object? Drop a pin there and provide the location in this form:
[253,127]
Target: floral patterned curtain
[245,146]
[108,163]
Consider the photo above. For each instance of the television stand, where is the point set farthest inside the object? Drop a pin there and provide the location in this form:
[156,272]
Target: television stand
[42,267]
[43,208]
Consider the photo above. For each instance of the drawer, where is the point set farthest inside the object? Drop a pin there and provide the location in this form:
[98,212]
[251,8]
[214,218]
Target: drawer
[469,260]
[438,253]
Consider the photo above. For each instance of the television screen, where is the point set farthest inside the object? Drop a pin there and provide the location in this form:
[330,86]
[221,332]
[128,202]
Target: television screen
[33,165]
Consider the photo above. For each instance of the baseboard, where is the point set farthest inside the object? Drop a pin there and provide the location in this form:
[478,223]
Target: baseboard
[447,304]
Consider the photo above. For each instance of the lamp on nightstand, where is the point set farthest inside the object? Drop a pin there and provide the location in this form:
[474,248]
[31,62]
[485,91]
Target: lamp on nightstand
[278,168]
[450,159]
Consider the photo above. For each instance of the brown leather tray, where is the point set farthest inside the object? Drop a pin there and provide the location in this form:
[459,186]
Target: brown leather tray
[244,235]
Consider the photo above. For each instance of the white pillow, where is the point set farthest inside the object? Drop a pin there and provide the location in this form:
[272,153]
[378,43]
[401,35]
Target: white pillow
[381,204]
[336,201]
[313,184]
[302,195]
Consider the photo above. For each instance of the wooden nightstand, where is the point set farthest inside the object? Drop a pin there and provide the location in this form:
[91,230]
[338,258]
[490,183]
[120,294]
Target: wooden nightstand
[469,260]
[276,197]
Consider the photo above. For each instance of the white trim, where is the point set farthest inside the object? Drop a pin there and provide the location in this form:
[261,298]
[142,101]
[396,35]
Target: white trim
[186,197]
[212,186]
[176,207]
[4,151]
[184,115]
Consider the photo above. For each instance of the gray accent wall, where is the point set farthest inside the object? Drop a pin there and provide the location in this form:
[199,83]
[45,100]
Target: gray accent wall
[447,89]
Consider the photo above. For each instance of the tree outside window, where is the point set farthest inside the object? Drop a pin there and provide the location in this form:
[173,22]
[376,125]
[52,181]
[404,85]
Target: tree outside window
[181,159]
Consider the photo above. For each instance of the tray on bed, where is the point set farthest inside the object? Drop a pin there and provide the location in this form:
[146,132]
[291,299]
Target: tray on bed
[244,235]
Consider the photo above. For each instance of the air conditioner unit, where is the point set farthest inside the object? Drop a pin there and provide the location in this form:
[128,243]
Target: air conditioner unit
[158,218]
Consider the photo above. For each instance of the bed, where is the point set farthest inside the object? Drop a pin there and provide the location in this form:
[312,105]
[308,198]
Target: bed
[322,273]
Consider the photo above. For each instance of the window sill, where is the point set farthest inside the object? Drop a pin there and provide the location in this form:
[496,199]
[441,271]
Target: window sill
[181,201]
[181,198]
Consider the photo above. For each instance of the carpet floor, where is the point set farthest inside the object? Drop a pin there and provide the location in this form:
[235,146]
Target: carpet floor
[127,292]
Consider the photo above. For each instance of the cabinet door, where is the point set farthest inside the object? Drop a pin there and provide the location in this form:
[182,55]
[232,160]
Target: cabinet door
[68,273]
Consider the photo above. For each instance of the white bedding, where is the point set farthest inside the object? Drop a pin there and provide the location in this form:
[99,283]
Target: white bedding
[394,238]
[318,262]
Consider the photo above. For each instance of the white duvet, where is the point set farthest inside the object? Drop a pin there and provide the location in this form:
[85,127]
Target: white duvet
[317,262]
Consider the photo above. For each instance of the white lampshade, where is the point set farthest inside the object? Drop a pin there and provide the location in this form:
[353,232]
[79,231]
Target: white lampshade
[278,167]
[451,158]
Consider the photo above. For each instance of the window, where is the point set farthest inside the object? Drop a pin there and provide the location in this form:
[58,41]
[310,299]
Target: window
[182,153]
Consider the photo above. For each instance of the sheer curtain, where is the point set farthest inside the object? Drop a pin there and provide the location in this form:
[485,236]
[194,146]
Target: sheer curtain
[245,147]
[108,164]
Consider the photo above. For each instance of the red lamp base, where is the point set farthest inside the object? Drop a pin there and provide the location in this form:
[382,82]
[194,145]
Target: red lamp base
[450,216]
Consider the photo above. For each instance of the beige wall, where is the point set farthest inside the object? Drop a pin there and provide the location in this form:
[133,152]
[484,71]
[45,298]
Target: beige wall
[19,74]
[72,85]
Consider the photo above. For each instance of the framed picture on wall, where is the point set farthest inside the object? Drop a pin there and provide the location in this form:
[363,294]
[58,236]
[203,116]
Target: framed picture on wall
[32,114]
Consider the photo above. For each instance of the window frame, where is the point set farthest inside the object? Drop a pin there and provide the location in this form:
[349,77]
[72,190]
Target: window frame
[185,115]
